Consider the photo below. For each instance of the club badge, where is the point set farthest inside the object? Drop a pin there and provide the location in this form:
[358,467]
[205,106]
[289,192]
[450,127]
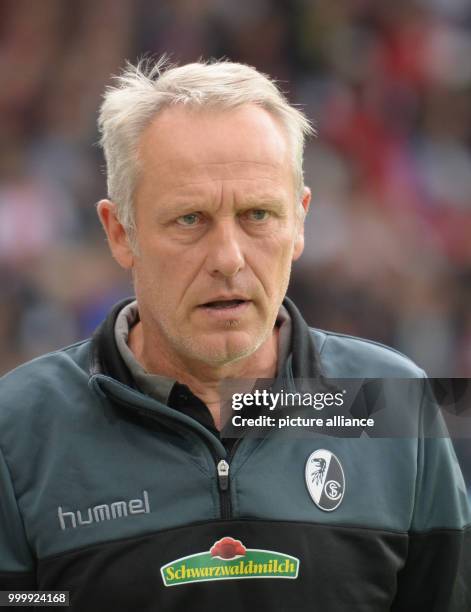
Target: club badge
[325,479]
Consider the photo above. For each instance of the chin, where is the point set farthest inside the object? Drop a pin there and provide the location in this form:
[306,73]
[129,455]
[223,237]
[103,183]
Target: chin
[219,357]
[225,351]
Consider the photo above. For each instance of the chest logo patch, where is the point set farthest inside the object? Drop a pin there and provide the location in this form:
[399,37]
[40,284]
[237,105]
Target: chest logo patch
[325,479]
[229,559]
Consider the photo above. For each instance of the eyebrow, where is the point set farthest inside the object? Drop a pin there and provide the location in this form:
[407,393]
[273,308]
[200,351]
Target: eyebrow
[275,201]
[270,201]
[265,201]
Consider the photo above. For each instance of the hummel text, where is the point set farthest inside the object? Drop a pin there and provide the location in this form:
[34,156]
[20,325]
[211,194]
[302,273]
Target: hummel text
[103,512]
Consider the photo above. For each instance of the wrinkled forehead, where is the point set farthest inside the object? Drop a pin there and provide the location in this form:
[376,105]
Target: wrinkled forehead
[213,143]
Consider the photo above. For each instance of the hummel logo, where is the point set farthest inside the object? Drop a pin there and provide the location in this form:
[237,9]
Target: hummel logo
[104,512]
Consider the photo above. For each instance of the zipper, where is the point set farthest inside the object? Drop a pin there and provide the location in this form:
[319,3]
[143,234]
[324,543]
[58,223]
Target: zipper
[224,492]
[223,475]
[223,467]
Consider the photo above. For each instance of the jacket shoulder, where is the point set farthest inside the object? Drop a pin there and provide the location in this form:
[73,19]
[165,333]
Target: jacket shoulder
[351,357]
[39,380]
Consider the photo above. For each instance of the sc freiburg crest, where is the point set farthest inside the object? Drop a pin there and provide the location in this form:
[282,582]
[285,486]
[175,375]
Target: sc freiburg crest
[325,479]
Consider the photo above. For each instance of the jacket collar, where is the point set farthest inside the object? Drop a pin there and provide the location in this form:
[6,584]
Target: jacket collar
[106,358]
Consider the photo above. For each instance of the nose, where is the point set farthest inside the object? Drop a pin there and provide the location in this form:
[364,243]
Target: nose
[225,257]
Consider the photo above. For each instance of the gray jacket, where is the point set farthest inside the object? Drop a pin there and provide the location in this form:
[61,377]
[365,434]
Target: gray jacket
[121,500]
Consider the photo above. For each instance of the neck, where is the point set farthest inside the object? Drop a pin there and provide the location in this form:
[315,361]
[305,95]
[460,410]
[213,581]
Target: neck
[204,379]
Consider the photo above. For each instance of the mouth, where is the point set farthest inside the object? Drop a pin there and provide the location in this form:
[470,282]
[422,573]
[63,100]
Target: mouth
[224,304]
[226,308]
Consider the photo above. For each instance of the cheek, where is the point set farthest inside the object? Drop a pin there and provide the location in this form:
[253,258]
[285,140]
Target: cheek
[166,276]
[271,261]
[278,248]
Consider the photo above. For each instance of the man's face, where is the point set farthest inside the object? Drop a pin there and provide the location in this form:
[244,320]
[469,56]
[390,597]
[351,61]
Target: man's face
[216,233]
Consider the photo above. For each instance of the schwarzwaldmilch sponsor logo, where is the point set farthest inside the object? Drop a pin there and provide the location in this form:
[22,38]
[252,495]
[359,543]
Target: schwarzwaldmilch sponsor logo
[229,559]
[325,479]
[103,512]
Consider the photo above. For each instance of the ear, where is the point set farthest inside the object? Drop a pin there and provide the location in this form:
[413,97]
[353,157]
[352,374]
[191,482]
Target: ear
[116,234]
[299,240]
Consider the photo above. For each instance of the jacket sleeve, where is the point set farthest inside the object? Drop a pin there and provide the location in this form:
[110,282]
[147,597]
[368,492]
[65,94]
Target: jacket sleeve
[17,566]
[437,573]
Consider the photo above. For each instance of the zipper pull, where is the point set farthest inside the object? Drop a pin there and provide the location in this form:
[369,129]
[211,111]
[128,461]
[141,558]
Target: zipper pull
[223,474]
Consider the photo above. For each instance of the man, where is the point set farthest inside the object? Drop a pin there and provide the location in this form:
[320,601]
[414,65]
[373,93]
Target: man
[116,483]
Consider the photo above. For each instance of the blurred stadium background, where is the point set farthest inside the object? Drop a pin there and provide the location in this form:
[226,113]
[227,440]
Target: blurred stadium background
[388,87]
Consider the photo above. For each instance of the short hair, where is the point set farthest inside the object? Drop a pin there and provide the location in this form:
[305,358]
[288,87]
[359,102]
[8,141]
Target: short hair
[141,91]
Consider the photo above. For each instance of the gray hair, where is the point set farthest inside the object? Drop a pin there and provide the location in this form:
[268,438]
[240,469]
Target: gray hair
[143,90]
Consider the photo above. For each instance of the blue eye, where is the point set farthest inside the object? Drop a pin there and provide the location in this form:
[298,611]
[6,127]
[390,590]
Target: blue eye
[258,214]
[188,220]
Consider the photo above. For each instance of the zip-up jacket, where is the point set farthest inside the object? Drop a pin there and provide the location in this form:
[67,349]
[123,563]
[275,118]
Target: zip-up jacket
[131,505]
